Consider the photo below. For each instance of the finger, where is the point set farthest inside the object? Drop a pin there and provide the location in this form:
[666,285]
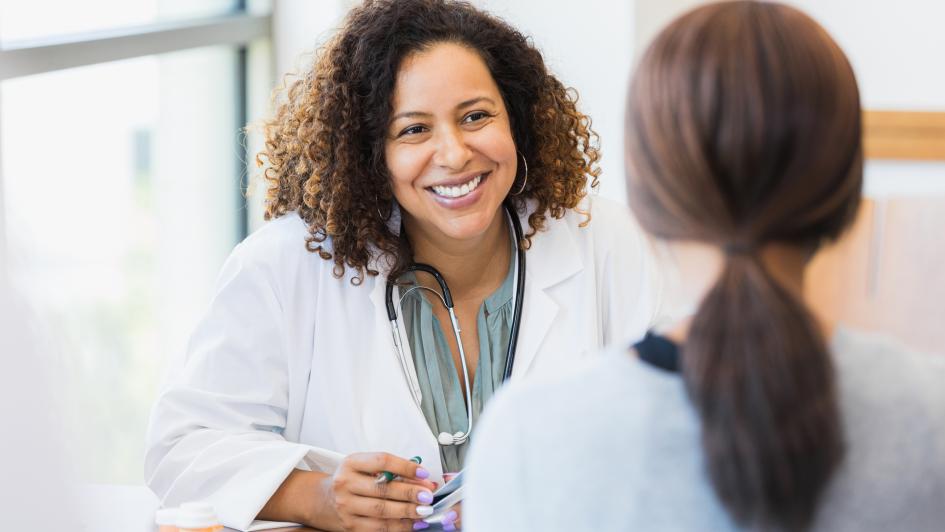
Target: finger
[397,490]
[373,463]
[450,521]
[373,524]
[388,509]
[426,484]
[458,508]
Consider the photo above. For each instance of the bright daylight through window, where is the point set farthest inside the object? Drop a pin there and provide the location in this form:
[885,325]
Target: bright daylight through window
[120,184]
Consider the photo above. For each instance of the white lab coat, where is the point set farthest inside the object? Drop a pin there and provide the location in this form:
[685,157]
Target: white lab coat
[294,368]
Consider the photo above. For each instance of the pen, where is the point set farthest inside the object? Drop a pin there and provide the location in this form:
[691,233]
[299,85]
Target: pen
[387,476]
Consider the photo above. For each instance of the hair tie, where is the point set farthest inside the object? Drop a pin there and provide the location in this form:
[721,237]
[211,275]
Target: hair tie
[739,248]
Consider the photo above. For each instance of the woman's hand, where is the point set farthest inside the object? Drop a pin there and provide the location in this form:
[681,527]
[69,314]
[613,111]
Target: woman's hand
[362,504]
[453,519]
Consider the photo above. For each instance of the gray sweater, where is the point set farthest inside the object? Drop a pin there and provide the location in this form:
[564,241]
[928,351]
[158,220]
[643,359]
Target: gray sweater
[614,445]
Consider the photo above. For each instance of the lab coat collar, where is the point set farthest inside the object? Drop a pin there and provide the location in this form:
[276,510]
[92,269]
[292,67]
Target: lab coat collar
[554,248]
[552,258]
[553,255]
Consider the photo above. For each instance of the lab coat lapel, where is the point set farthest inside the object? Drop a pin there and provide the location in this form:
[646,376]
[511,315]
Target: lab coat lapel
[386,344]
[552,258]
[401,421]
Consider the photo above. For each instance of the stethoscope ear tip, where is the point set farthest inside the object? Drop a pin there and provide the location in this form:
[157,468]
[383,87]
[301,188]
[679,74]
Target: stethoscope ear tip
[445,438]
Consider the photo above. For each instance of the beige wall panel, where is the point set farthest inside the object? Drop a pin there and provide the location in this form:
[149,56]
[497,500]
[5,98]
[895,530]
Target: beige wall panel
[888,273]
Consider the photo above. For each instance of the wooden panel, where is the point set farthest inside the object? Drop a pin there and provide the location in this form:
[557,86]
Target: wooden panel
[888,273]
[904,135]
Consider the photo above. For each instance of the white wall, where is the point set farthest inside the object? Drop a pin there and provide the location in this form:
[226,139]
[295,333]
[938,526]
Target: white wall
[652,15]
[301,25]
[35,484]
[588,45]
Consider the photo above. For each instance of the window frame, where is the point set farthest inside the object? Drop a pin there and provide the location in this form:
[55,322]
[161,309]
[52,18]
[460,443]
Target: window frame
[237,28]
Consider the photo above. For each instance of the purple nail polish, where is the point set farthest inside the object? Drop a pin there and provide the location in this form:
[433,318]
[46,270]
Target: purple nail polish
[420,525]
[425,497]
[451,516]
[422,473]
[448,526]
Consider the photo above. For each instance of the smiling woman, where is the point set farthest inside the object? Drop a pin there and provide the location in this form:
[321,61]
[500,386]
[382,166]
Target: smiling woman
[329,144]
[425,132]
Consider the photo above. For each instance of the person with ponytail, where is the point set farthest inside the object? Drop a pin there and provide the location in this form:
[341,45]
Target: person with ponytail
[744,158]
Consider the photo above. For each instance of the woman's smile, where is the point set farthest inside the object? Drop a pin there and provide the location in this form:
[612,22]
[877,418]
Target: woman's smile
[458,190]
[461,195]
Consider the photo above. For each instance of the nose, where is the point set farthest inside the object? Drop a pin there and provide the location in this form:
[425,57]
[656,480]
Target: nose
[451,150]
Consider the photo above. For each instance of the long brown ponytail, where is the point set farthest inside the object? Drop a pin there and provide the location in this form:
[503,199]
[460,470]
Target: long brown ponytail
[743,130]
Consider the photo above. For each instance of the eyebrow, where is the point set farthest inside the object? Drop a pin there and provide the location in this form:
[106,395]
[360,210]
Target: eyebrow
[462,105]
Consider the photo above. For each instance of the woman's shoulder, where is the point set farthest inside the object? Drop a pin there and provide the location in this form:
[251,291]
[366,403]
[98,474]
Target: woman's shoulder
[278,243]
[283,233]
[867,358]
[892,402]
[608,210]
[880,378]
[594,214]
[587,384]
[890,392]
[597,224]
[611,226]
[277,253]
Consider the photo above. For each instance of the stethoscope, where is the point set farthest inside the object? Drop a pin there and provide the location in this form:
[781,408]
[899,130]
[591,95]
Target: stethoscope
[459,438]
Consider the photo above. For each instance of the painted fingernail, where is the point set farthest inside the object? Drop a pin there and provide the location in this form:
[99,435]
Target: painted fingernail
[425,497]
[422,473]
[448,526]
[420,525]
[451,516]
[424,511]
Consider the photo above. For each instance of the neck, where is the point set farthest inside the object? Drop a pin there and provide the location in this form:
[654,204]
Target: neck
[473,267]
[699,267]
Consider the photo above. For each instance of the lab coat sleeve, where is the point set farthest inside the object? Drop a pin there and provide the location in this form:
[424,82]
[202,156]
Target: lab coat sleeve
[216,430]
[629,281]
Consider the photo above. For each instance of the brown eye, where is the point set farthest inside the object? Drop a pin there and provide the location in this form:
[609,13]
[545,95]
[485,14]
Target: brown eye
[412,130]
[475,116]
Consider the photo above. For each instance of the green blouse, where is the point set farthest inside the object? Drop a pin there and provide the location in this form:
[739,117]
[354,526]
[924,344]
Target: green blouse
[441,385]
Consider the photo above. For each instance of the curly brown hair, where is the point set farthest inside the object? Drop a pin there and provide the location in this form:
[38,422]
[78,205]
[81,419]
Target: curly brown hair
[324,148]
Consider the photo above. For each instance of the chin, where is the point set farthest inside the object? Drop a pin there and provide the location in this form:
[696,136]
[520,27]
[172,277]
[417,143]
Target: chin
[467,227]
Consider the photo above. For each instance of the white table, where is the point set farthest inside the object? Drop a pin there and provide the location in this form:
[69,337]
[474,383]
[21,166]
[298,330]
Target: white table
[116,508]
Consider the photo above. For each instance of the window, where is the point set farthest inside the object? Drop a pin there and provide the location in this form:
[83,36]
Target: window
[34,19]
[121,192]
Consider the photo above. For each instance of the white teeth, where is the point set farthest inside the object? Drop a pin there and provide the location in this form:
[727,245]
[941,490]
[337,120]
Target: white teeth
[459,190]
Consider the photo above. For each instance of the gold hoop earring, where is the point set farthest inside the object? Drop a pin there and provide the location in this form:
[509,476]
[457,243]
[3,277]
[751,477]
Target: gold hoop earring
[377,204]
[524,179]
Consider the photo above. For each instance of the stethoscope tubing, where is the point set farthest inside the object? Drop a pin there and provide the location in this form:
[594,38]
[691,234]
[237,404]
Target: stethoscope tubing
[519,294]
[447,299]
